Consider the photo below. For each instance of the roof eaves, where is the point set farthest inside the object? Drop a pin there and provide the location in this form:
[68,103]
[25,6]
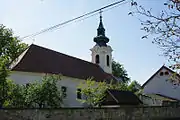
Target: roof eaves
[167,97]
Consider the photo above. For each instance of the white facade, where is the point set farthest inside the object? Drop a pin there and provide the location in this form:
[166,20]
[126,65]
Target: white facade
[104,53]
[162,84]
[71,85]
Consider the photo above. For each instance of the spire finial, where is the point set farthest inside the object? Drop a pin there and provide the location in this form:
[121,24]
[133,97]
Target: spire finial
[101,30]
[100,12]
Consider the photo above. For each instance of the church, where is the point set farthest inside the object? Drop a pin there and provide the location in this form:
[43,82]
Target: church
[36,61]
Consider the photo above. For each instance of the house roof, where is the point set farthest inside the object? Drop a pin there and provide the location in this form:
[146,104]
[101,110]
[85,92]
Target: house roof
[42,60]
[167,98]
[159,96]
[116,97]
[163,67]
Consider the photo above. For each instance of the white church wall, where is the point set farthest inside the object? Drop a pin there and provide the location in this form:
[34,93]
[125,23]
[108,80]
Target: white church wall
[162,85]
[69,82]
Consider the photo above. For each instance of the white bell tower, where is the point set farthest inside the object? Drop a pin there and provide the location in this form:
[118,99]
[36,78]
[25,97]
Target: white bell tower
[101,52]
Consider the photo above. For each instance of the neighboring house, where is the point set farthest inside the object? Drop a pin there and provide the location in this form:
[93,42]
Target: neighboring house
[36,61]
[117,98]
[164,82]
[157,100]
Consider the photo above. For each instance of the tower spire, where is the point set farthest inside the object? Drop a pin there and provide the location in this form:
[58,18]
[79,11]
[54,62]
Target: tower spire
[101,30]
[101,39]
[101,52]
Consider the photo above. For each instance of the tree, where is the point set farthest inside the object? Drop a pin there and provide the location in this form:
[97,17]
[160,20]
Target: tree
[119,72]
[10,49]
[134,86]
[165,28]
[10,46]
[16,95]
[94,92]
[44,94]
[3,82]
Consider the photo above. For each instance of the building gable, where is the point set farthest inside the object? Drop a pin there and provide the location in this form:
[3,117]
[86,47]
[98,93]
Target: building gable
[156,73]
[163,83]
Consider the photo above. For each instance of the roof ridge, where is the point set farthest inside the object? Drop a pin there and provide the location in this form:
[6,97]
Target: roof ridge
[63,54]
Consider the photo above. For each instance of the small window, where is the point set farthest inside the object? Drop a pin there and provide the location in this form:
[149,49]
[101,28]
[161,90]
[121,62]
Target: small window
[97,59]
[166,73]
[161,74]
[79,93]
[107,60]
[64,89]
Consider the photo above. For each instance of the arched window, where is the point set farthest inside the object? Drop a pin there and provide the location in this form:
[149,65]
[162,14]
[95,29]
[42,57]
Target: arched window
[107,60]
[166,73]
[97,59]
[161,73]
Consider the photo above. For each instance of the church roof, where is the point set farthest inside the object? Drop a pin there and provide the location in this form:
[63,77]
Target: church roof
[42,60]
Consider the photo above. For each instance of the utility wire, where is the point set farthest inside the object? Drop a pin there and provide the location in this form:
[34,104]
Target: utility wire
[58,25]
[81,19]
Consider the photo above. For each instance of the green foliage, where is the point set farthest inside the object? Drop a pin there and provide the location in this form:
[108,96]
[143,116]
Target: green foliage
[10,46]
[3,82]
[94,92]
[16,95]
[119,71]
[134,86]
[44,94]
[118,86]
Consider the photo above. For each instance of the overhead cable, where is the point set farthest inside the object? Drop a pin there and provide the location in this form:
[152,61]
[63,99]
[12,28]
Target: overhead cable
[92,13]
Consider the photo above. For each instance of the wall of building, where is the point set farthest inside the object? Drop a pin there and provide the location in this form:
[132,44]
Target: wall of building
[150,101]
[102,52]
[70,83]
[163,85]
[124,113]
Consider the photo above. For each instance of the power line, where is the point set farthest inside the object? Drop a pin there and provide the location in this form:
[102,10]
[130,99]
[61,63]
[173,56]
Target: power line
[58,25]
[91,15]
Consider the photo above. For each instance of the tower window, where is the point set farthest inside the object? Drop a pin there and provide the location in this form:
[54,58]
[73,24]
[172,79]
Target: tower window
[107,60]
[97,59]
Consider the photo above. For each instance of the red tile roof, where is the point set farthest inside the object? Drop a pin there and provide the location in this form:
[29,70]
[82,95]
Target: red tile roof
[42,60]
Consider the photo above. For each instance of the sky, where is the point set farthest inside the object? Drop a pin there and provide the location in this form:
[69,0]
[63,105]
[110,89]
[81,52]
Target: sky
[139,56]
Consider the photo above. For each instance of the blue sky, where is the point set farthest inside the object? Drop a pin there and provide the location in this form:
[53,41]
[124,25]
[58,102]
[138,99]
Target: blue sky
[140,57]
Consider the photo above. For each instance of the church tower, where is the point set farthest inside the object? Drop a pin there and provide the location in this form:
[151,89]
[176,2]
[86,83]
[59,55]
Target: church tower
[101,52]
